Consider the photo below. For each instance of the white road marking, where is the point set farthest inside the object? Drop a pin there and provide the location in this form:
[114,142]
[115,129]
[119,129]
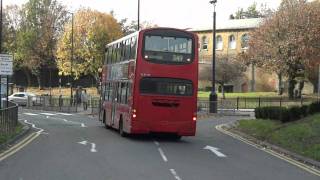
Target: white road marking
[82,125]
[93,147]
[41,131]
[156,143]
[303,166]
[174,173]
[65,114]
[215,151]
[31,114]
[163,155]
[83,142]
[48,114]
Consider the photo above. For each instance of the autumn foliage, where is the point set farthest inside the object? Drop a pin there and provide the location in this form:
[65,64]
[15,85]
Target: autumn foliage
[288,42]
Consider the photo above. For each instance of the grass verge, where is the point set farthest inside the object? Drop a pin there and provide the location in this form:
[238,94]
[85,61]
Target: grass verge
[301,137]
[5,138]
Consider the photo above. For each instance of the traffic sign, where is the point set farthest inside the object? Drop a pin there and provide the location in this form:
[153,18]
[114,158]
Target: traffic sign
[6,64]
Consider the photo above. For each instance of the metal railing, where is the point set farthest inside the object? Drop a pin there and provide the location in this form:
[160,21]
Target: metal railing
[8,119]
[245,104]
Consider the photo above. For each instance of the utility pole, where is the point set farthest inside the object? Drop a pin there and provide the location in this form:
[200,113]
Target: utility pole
[138,15]
[71,63]
[1,52]
[213,106]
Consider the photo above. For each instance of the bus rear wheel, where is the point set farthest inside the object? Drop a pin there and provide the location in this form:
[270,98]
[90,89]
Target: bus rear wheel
[121,131]
[104,121]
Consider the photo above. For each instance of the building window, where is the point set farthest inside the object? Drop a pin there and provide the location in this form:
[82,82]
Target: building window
[232,42]
[219,43]
[204,43]
[245,41]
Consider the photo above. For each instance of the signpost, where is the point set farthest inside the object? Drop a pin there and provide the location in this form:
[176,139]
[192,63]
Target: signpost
[6,69]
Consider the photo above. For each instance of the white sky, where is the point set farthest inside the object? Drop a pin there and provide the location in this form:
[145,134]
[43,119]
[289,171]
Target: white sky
[170,13]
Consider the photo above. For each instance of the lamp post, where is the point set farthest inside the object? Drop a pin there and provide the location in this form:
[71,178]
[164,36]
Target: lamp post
[1,52]
[71,60]
[138,28]
[213,95]
[60,74]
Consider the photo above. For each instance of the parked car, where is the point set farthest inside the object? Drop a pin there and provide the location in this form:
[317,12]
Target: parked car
[21,98]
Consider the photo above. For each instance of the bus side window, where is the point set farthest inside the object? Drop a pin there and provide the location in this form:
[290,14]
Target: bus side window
[123,50]
[129,89]
[128,49]
[114,54]
[133,48]
[123,93]
[118,52]
[118,92]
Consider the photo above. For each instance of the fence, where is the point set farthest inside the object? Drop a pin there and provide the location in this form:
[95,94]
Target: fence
[233,104]
[62,104]
[8,119]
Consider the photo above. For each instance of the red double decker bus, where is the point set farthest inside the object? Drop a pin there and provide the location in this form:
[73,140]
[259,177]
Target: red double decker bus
[149,83]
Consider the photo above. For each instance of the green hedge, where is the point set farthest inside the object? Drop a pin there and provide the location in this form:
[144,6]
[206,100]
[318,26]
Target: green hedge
[285,114]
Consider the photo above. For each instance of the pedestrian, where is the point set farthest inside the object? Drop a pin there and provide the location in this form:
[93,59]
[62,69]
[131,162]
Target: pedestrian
[84,99]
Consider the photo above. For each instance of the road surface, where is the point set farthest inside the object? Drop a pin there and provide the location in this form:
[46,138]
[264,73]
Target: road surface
[74,146]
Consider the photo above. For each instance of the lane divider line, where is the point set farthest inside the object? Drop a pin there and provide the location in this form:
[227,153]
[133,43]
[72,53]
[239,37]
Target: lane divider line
[156,143]
[269,151]
[163,155]
[18,146]
[175,175]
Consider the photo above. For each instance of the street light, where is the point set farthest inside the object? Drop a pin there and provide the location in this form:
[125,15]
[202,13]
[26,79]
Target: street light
[71,60]
[213,95]
[138,15]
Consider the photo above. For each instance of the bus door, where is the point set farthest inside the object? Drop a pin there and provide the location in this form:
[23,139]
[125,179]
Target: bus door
[114,102]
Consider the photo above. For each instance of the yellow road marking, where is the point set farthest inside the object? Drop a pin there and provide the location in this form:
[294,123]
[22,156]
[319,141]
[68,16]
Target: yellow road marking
[303,166]
[18,146]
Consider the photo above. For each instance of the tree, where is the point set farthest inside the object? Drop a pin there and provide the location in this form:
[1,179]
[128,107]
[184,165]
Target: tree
[128,28]
[288,42]
[40,25]
[228,70]
[252,12]
[92,31]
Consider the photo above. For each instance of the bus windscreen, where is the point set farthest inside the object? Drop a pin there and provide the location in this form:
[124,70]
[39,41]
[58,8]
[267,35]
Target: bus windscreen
[168,50]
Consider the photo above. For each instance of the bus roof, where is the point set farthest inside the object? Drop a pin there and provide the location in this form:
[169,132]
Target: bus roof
[137,32]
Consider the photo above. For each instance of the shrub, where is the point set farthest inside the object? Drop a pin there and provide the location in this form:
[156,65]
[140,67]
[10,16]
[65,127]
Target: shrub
[272,112]
[295,113]
[304,110]
[314,107]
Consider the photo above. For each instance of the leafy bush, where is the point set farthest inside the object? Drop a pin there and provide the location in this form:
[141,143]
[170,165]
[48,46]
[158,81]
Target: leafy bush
[304,110]
[314,107]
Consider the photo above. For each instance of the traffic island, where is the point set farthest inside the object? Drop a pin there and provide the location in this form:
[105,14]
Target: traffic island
[296,142]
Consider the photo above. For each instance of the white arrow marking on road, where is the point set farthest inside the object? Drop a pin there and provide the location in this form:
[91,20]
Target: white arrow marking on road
[83,142]
[93,147]
[215,151]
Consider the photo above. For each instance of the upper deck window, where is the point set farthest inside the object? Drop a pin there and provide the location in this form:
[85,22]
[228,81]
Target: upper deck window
[168,50]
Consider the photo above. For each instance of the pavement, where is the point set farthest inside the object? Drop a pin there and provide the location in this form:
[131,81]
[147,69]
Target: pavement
[77,146]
